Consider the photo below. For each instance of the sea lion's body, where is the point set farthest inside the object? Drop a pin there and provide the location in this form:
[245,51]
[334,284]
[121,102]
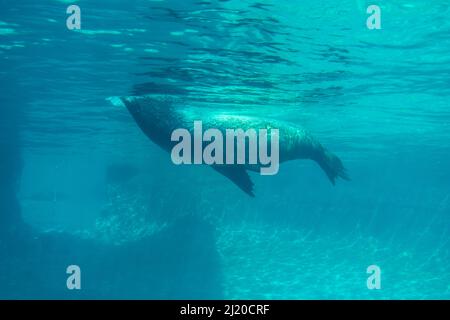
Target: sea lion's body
[158,118]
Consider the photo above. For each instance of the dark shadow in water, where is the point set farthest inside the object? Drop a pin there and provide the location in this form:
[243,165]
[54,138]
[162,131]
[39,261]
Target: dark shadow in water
[180,262]
[120,173]
[11,103]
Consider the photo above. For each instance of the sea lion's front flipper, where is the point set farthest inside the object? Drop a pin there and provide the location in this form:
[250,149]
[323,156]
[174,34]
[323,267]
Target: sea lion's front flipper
[238,175]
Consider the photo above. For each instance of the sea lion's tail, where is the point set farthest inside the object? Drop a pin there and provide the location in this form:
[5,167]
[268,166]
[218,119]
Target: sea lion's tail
[332,166]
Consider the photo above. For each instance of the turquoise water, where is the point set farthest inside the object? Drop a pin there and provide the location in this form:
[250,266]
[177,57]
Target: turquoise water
[81,184]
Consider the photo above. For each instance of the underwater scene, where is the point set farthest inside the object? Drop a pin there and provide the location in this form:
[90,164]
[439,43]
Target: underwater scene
[351,96]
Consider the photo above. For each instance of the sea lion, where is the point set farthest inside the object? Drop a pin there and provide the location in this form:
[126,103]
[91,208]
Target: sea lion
[158,118]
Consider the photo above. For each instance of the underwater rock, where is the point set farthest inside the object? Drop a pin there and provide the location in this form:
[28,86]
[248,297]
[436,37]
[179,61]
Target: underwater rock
[180,262]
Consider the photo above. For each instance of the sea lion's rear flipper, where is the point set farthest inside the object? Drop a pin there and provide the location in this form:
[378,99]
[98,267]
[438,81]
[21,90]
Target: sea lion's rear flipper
[238,175]
[332,166]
